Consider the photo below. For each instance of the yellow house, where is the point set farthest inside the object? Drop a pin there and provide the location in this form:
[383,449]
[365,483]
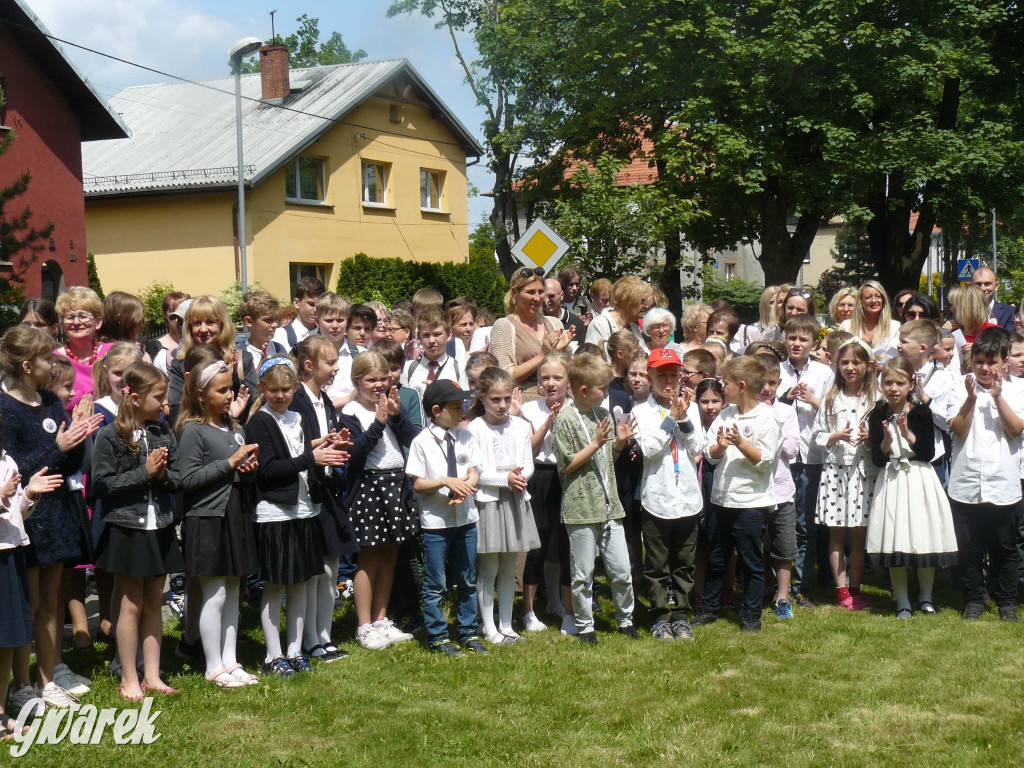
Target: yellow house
[338,160]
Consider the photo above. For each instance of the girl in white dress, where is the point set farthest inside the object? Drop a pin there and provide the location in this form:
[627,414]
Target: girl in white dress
[844,496]
[911,524]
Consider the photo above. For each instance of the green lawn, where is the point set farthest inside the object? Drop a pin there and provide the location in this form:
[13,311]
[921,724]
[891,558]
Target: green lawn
[829,688]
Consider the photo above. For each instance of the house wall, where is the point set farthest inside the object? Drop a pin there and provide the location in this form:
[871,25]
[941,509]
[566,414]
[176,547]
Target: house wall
[187,240]
[48,144]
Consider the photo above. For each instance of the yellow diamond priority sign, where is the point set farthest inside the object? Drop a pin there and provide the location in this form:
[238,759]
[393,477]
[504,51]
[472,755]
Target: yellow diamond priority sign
[540,246]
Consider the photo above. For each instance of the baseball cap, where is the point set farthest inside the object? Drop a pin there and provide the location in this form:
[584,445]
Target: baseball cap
[663,356]
[181,309]
[444,391]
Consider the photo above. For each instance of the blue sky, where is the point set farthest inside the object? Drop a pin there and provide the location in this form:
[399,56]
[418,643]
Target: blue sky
[191,39]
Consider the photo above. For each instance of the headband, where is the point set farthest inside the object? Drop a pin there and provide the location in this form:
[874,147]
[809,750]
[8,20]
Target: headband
[858,340]
[717,340]
[271,362]
[206,375]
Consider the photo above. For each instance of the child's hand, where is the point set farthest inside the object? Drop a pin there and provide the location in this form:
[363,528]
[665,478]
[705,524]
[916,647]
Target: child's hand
[381,410]
[342,439]
[70,437]
[84,409]
[156,462]
[625,429]
[328,456]
[239,403]
[394,402]
[679,406]
[516,406]
[605,431]
[996,389]
[886,437]
[842,435]
[9,488]
[862,434]
[971,386]
[41,483]
[919,388]
[732,435]
[554,414]
[461,489]
[902,423]
[722,438]
[245,454]
[516,481]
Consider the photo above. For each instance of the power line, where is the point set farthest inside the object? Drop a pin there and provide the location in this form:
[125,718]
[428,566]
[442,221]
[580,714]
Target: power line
[210,87]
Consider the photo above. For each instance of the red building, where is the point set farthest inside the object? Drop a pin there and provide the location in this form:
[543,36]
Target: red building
[52,109]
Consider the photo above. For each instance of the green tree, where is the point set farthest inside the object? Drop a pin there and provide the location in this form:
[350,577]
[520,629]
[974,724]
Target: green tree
[20,242]
[94,275]
[852,251]
[306,50]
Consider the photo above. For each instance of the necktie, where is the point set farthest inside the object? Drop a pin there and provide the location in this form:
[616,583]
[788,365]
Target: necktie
[432,372]
[452,468]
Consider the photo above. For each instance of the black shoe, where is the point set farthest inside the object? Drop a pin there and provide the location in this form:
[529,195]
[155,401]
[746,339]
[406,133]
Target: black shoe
[474,645]
[629,631]
[804,601]
[448,648]
[192,652]
[278,667]
[300,663]
[588,637]
[703,619]
[973,611]
[1008,612]
[334,652]
[750,625]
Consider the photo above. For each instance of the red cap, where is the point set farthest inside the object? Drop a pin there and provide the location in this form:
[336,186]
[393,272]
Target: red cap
[663,356]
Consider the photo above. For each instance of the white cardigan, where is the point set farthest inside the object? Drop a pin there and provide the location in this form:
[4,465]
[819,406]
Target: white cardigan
[490,478]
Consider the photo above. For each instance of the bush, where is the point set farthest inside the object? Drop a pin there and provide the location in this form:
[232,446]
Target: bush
[12,299]
[742,296]
[363,278]
[153,298]
[94,275]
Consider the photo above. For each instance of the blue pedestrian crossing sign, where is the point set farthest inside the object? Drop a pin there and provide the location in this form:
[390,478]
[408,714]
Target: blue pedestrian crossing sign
[965,269]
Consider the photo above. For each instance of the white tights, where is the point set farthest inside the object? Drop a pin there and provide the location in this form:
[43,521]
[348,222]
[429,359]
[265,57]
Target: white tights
[925,581]
[295,616]
[320,604]
[497,567]
[218,621]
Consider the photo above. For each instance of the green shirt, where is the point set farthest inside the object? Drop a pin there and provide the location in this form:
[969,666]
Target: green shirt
[585,499]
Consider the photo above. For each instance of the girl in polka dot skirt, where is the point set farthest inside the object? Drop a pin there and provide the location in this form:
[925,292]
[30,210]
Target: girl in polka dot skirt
[848,480]
[378,495]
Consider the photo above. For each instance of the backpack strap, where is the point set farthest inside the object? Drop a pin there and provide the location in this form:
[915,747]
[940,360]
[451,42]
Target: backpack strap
[293,338]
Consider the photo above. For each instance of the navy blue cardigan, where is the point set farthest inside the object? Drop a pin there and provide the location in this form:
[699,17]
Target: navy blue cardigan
[364,442]
[277,477]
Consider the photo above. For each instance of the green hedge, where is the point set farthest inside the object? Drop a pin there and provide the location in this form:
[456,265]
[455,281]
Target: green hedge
[363,278]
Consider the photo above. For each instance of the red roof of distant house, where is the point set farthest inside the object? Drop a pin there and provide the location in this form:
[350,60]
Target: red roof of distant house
[913,223]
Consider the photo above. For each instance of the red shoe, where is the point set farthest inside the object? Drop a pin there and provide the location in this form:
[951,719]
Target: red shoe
[847,603]
[859,603]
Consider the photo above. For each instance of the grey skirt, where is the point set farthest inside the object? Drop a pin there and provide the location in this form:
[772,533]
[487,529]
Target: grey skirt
[506,525]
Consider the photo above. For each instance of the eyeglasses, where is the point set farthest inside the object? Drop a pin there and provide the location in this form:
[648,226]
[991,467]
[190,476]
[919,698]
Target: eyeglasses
[395,328]
[78,317]
[914,314]
[690,374]
[526,272]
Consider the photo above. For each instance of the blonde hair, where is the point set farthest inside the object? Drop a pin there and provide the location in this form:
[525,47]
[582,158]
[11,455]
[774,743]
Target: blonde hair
[366,363]
[62,371]
[555,356]
[745,369]
[622,341]
[21,343]
[695,316]
[868,388]
[520,279]
[884,318]
[588,371]
[778,318]
[192,406]
[120,351]
[311,349]
[209,308]
[80,297]
[599,286]
[842,293]
[275,376]
[629,294]
[332,304]
[922,331]
[766,307]
[970,306]
[140,378]
[258,303]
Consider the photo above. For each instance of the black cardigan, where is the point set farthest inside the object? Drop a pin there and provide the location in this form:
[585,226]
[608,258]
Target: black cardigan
[919,421]
[364,442]
[303,406]
[277,478]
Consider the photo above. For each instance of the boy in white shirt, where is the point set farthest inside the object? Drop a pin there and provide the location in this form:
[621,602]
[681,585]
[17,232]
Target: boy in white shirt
[433,327]
[670,494]
[744,440]
[984,485]
[332,320]
[441,466]
[307,291]
[804,382]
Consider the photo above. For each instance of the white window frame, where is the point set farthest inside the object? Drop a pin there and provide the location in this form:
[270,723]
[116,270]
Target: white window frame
[380,169]
[428,174]
[298,181]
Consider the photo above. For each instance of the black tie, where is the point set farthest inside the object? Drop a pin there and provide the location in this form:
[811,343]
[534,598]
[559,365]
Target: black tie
[452,468]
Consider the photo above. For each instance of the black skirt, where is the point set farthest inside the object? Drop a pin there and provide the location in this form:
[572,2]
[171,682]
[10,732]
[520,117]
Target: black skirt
[290,551]
[381,513]
[222,546]
[339,538]
[137,552]
[15,609]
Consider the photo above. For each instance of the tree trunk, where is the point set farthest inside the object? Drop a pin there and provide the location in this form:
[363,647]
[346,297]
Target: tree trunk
[782,253]
[504,203]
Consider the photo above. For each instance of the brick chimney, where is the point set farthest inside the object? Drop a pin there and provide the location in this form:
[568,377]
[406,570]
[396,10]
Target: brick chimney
[274,72]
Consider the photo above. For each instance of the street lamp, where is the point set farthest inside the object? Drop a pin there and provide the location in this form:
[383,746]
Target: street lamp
[244,47]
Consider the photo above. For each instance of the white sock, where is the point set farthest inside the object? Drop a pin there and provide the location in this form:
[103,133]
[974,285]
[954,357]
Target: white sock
[211,619]
[925,581]
[898,577]
[488,571]
[270,619]
[295,617]
[325,600]
[506,589]
[229,622]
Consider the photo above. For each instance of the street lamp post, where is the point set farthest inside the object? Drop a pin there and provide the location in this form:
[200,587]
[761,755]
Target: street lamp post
[244,47]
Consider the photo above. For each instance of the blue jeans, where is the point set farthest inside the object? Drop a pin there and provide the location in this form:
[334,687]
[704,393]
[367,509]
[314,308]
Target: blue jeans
[459,546]
[807,478]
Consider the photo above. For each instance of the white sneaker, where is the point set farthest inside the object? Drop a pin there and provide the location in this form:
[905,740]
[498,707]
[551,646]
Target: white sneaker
[387,628]
[69,681]
[19,697]
[55,696]
[532,624]
[370,638]
[569,625]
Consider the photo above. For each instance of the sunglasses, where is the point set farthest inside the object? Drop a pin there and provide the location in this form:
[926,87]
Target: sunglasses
[803,293]
[914,314]
[526,272]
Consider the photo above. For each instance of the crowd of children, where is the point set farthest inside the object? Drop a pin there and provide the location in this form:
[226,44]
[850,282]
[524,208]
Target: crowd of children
[386,454]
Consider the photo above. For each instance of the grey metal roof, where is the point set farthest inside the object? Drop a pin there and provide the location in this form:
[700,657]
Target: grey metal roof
[97,120]
[183,134]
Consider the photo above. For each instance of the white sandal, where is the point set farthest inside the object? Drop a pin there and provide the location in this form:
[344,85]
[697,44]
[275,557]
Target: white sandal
[238,673]
[223,679]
